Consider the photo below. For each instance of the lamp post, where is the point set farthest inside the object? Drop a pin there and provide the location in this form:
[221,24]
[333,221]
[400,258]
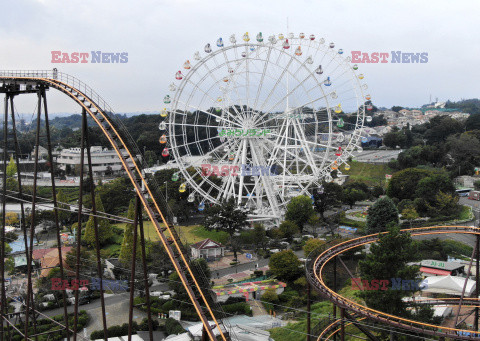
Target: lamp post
[166,191]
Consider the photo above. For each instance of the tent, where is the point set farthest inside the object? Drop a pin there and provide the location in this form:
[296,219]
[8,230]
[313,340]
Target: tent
[450,285]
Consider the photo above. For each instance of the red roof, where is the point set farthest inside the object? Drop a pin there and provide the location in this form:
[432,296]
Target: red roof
[435,271]
[204,244]
[41,253]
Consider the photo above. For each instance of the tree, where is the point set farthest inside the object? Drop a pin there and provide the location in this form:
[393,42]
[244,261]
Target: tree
[380,214]
[403,184]
[312,244]
[63,216]
[259,236]
[299,210]
[285,265]
[410,214]
[396,108]
[87,263]
[288,229]
[11,167]
[150,158]
[270,296]
[116,195]
[329,197]
[105,231]
[388,259]
[11,218]
[12,183]
[352,195]
[126,250]
[228,217]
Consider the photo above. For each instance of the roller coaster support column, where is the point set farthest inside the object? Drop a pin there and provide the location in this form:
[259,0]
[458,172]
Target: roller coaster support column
[2,237]
[334,289]
[55,209]
[144,265]
[95,226]
[132,274]
[308,311]
[342,324]
[79,226]
[477,256]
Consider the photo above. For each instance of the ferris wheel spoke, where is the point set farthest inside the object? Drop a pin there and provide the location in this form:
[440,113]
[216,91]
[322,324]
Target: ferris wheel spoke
[266,184]
[276,84]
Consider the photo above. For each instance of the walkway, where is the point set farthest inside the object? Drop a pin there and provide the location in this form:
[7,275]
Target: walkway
[257,308]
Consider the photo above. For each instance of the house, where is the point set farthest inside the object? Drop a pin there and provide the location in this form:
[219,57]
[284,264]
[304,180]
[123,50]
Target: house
[49,259]
[207,249]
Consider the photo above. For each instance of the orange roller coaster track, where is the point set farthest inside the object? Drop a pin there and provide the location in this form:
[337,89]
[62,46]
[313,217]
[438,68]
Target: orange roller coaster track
[315,275]
[100,113]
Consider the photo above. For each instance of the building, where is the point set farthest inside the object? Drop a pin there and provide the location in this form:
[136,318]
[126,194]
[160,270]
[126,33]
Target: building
[105,162]
[49,259]
[430,267]
[207,249]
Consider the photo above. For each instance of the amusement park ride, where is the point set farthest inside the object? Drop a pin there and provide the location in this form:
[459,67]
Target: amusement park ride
[293,88]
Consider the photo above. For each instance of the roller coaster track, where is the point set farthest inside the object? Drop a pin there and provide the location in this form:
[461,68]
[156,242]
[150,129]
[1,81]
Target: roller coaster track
[315,272]
[103,116]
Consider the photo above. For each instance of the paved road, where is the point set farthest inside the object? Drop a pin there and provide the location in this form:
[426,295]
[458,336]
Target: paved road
[247,266]
[378,156]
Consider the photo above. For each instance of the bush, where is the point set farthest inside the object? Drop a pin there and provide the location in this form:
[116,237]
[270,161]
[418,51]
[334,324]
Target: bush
[233,299]
[237,309]
[172,326]
[270,296]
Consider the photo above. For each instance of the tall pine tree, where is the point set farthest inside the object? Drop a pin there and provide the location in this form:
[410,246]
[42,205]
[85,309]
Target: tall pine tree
[105,231]
[126,250]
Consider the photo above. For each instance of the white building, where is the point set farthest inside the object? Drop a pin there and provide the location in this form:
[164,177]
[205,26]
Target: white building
[207,249]
[104,161]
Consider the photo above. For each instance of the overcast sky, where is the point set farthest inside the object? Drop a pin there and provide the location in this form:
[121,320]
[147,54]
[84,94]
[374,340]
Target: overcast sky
[160,35]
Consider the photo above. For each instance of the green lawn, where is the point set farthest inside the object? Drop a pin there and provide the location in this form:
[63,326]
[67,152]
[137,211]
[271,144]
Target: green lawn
[372,175]
[189,234]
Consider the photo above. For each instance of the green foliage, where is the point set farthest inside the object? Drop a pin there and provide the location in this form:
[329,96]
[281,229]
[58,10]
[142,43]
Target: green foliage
[299,210]
[312,244]
[115,195]
[403,184]
[172,326]
[239,308]
[330,197]
[63,216]
[352,195]
[126,250]
[410,214]
[270,296]
[11,167]
[105,231]
[285,265]
[380,214]
[388,259]
[228,217]
[288,229]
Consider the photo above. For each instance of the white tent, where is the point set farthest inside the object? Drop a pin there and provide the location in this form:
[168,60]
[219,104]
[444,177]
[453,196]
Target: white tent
[450,285]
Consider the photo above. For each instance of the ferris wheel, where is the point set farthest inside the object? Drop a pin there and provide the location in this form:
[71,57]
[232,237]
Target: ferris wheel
[263,120]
